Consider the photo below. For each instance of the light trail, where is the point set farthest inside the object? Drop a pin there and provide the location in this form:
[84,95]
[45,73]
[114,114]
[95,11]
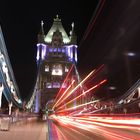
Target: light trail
[78,106]
[72,91]
[98,125]
[92,24]
[82,82]
[79,85]
[114,120]
[63,84]
[59,102]
[87,91]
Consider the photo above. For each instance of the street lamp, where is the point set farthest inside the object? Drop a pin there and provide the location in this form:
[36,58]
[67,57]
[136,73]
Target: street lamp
[127,57]
[130,54]
[112,88]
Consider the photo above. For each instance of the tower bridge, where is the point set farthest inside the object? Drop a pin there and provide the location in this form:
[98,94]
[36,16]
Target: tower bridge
[76,112]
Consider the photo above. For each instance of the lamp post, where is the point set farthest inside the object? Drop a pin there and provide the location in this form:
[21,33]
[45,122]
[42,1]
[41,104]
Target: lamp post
[10,108]
[1,90]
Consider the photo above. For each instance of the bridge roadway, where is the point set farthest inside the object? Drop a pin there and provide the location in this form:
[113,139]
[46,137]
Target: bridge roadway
[71,128]
[82,129]
[26,130]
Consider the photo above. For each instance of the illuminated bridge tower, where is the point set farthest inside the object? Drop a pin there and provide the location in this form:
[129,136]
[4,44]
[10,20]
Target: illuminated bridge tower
[56,54]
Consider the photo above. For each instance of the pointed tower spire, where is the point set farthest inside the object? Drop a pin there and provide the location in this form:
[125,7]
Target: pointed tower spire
[73,37]
[41,34]
[57,19]
[42,29]
[72,25]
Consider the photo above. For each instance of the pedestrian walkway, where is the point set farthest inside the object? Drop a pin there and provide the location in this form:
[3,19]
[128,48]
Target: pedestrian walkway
[34,130]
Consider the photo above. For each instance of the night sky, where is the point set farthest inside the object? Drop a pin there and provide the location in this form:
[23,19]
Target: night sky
[113,39]
[20,22]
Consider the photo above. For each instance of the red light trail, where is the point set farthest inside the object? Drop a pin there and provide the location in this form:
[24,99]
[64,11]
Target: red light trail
[63,84]
[87,91]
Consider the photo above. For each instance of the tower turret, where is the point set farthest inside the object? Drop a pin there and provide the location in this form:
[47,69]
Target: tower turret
[41,47]
[41,34]
[73,36]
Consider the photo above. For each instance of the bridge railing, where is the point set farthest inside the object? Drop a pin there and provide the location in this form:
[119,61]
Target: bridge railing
[7,78]
[129,108]
[132,94]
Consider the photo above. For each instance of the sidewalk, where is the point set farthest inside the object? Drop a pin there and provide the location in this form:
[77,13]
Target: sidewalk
[33,130]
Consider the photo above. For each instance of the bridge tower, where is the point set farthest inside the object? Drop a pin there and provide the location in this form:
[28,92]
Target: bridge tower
[56,54]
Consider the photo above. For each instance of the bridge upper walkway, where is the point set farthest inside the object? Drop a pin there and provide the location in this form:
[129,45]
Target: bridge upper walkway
[8,85]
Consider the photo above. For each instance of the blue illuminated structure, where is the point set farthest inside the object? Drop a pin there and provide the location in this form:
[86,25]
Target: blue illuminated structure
[56,53]
[8,85]
[67,47]
[43,51]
